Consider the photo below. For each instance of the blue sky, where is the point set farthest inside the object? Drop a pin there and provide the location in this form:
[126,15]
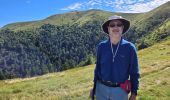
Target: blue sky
[12,11]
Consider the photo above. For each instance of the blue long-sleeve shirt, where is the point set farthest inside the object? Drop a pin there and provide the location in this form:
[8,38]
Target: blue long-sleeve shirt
[125,63]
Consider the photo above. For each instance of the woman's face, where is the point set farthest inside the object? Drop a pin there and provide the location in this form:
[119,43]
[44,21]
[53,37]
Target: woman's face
[115,29]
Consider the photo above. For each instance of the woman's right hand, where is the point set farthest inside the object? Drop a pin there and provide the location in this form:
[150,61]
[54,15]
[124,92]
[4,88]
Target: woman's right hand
[91,94]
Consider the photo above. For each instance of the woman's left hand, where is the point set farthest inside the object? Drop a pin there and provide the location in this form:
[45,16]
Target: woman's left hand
[132,97]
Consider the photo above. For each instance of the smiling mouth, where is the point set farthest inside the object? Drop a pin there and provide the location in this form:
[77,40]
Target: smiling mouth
[115,30]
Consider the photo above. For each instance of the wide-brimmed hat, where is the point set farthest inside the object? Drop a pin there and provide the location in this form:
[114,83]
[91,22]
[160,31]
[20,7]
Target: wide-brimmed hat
[125,22]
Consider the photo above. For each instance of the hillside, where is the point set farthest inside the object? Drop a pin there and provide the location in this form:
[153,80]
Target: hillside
[76,83]
[144,24]
[158,34]
[69,18]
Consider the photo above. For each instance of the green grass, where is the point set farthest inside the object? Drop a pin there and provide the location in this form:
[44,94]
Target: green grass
[68,84]
[155,86]
[155,58]
[76,83]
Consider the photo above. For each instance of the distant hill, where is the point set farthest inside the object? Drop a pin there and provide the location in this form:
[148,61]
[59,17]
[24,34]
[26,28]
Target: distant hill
[69,18]
[147,23]
[68,40]
[142,24]
[75,84]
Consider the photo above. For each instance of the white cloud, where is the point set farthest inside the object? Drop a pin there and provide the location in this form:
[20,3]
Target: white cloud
[131,6]
[130,1]
[120,2]
[108,3]
[145,7]
[141,0]
[73,6]
[91,4]
[94,2]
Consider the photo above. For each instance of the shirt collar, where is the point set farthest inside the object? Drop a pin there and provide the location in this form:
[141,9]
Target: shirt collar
[121,41]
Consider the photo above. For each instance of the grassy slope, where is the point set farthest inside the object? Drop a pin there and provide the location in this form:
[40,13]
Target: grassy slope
[156,34]
[143,18]
[75,83]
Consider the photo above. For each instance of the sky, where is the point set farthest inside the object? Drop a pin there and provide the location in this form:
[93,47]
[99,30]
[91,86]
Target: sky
[12,11]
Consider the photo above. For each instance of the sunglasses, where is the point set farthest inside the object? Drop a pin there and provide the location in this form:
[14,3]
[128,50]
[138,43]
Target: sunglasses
[114,25]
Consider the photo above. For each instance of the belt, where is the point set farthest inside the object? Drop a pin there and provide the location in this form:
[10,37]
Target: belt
[109,83]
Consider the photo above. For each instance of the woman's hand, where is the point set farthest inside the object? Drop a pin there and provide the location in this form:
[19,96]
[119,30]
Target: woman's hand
[132,97]
[91,96]
[91,93]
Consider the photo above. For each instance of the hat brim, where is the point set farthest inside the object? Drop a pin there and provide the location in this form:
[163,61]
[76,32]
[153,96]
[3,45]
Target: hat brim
[125,22]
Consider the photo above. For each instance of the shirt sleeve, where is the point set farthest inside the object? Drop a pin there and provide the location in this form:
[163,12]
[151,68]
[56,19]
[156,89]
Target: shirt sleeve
[134,70]
[97,64]
[96,68]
